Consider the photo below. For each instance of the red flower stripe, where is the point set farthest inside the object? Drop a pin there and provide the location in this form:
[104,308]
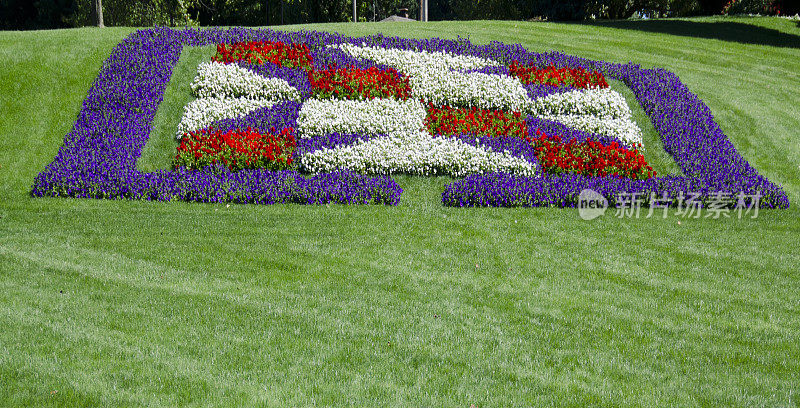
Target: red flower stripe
[356,83]
[260,52]
[237,149]
[485,122]
[574,77]
[589,158]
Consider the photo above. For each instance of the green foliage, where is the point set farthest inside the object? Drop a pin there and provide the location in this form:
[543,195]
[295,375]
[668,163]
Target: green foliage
[768,7]
[559,9]
[76,13]
[619,9]
[140,13]
[274,12]
[36,14]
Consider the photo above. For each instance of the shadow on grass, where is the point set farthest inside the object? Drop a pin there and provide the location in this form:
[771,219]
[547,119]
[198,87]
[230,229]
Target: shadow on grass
[723,30]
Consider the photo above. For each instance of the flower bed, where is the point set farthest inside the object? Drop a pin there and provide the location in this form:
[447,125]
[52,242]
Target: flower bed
[356,83]
[452,121]
[590,158]
[268,79]
[554,76]
[237,149]
[259,52]
[319,117]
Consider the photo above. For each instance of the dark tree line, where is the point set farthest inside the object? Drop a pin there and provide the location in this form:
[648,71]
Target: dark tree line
[41,14]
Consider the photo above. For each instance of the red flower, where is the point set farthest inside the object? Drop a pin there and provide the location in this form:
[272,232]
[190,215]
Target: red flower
[259,52]
[575,77]
[589,158]
[237,149]
[356,83]
[452,121]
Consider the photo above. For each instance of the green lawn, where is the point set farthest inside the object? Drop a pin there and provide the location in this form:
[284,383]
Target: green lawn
[115,303]
[161,147]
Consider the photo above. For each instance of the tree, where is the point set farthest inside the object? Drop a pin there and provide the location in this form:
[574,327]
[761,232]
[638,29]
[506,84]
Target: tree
[98,12]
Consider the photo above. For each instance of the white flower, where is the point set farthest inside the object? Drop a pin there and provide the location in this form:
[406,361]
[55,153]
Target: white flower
[624,130]
[232,81]
[598,101]
[470,89]
[416,62]
[416,153]
[227,91]
[202,112]
[601,111]
[377,116]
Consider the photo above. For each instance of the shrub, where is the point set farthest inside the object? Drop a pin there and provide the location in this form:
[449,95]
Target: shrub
[769,7]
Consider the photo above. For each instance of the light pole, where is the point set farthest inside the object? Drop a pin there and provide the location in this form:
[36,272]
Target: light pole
[423,10]
[355,12]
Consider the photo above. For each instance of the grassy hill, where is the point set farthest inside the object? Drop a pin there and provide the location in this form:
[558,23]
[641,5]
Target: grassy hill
[129,303]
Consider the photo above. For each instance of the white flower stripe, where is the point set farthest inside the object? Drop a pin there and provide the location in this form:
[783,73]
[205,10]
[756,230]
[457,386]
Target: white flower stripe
[202,112]
[416,62]
[378,116]
[601,111]
[472,89]
[598,101]
[624,130]
[416,153]
[232,81]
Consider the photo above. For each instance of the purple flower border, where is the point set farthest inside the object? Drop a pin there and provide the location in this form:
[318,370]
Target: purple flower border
[98,159]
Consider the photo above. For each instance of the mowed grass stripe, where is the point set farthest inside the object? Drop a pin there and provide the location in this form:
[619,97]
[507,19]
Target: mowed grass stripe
[119,291]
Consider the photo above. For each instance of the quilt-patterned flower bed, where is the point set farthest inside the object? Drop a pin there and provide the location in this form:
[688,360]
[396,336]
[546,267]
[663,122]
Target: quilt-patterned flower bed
[308,117]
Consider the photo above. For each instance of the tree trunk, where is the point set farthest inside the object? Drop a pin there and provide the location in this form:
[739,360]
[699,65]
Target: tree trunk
[98,13]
